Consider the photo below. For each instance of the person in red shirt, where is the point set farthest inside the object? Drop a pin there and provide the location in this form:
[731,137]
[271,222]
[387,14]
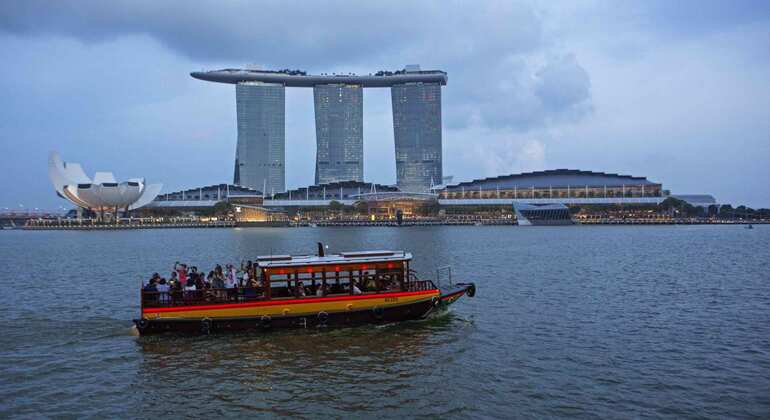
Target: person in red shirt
[181,270]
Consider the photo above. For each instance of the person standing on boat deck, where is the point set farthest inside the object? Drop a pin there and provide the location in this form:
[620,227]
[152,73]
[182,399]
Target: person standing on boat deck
[181,270]
[155,277]
[245,279]
[163,288]
[231,276]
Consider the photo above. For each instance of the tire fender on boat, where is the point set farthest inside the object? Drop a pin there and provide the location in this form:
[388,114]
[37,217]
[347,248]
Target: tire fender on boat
[142,324]
[265,321]
[378,312]
[323,318]
[206,326]
[434,300]
[471,291]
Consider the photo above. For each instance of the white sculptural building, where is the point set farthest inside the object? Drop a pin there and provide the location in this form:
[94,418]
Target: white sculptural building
[103,192]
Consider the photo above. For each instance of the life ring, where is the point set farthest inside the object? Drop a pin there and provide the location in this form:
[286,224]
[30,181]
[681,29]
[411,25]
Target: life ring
[323,318]
[265,321]
[206,326]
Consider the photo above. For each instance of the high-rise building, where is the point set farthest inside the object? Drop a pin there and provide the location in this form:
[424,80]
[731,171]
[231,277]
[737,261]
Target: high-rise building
[417,132]
[339,123]
[260,153]
[416,96]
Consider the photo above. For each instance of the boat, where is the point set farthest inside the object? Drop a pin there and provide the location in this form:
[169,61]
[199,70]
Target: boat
[305,291]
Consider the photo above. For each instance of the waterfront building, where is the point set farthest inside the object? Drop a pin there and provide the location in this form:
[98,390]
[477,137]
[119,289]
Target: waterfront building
[417,133]
[260,152]
[198,198]
[338,98]
[339,111]
[566,186]
[100,194]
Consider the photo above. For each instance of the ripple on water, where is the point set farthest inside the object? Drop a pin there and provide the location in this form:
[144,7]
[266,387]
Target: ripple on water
[568,322]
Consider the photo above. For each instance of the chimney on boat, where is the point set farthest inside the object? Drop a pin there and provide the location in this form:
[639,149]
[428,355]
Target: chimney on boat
[320,249]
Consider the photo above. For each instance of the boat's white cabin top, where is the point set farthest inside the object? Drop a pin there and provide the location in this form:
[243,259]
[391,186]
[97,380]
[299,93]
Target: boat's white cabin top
[268,261]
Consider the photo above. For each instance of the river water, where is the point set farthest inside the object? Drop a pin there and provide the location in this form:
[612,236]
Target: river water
[604,321]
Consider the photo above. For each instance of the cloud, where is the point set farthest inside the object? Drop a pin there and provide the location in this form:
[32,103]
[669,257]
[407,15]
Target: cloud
[485,48]
[651,88]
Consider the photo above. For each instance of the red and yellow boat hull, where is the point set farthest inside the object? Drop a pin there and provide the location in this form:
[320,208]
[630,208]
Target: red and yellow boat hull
[290,313]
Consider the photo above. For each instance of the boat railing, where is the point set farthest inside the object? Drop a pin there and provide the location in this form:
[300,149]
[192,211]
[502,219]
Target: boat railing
[420,285]
[152,299]
[200,297]
[444,272]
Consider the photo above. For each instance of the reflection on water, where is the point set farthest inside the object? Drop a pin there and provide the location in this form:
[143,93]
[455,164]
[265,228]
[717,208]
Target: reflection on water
[325,371]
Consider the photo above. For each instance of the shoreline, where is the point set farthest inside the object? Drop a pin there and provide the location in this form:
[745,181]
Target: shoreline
[383,223]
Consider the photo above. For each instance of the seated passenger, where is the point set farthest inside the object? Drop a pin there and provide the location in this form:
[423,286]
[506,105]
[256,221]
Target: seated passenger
[321,290]
[216,281]
[371,284]
[300,289]
[356,290]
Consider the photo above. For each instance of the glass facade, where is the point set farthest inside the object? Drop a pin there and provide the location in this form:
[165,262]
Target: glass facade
[417,132]
[339,122]
[260,153]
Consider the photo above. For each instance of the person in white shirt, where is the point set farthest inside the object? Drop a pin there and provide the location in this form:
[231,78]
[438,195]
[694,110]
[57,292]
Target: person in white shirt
[163,288]
[245,279]
[356,290]
[230,278]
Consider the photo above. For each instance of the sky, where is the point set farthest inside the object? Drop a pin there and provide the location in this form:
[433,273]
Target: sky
[677,91]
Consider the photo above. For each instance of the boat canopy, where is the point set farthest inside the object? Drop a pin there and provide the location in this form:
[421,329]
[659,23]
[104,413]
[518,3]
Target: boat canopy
[273,261]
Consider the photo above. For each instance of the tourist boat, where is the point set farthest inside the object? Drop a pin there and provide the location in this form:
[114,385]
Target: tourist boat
[305,291]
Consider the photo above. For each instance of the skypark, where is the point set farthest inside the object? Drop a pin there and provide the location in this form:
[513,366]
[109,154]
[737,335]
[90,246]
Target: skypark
[260,98]
[301,79]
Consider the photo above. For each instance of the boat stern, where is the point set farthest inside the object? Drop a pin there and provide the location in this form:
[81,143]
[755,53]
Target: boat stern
[456,292]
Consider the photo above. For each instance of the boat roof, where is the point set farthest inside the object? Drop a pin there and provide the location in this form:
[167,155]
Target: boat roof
[268,261]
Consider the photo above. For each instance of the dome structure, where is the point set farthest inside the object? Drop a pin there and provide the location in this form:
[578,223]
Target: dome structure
[102,192]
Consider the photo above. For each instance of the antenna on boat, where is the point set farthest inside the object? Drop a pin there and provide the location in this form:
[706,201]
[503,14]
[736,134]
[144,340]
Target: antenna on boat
[320,249]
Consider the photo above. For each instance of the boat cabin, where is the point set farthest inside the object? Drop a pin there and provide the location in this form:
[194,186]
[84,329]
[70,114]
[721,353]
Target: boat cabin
[289,277]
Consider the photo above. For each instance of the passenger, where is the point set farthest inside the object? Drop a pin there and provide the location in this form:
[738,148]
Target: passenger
[245,279]
[300,289]
[163,288]
[181,270]
[322,290]
[216,281]
[200,282]
[231,277]
[151,285]
[356,290]
[371,284]
[154,279]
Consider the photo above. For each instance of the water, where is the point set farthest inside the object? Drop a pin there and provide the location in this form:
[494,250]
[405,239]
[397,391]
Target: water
[607,321]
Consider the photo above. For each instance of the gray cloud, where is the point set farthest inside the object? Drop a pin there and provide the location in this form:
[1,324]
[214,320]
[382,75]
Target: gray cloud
[465,41]
[619,86]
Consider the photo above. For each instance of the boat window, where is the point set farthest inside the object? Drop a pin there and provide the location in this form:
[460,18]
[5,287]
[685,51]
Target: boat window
[331,280]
